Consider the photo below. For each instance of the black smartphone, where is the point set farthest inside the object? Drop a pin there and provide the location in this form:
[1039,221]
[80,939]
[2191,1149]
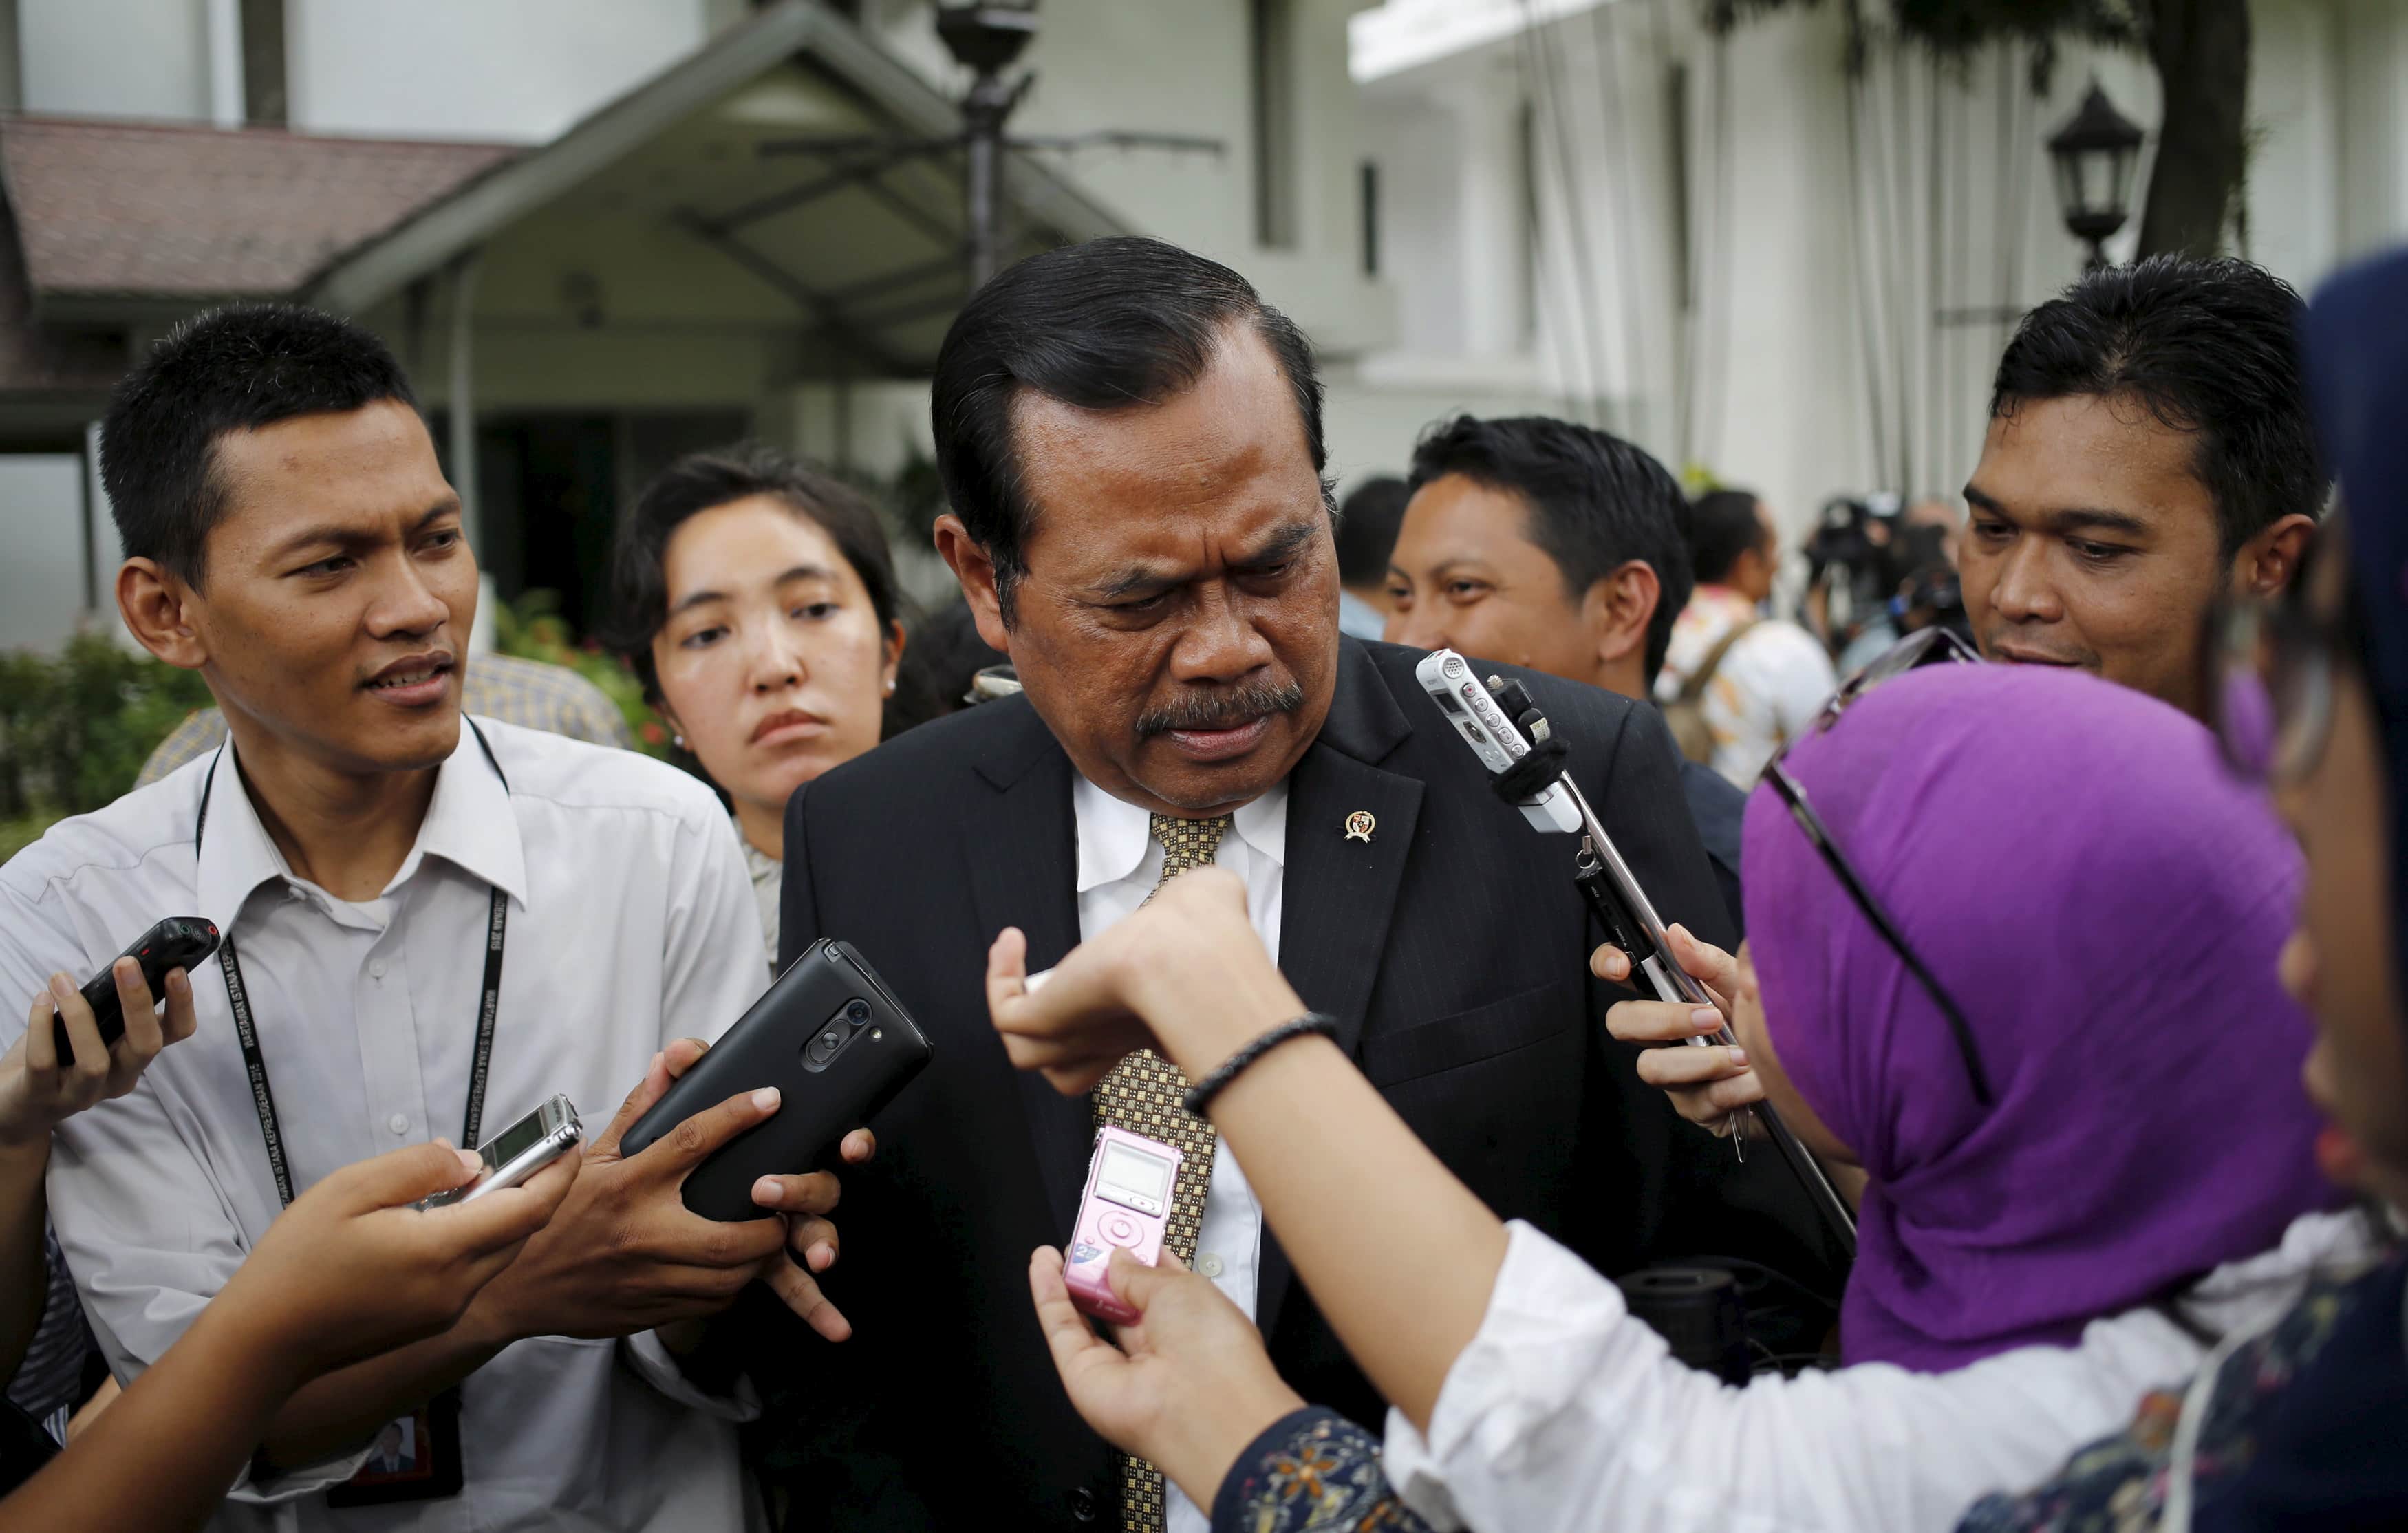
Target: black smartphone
[837,1046]
[181,942]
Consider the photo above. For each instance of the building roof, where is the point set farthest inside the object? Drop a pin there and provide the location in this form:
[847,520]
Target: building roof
[169,210]
[828,221]
[788,177]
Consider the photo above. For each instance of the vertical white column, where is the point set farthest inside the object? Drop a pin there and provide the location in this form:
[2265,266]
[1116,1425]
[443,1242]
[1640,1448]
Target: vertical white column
[225,63]
[1485,104]
[2373,57]
[463,400]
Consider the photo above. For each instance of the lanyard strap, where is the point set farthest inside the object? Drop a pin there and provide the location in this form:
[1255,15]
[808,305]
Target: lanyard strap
[263,1097]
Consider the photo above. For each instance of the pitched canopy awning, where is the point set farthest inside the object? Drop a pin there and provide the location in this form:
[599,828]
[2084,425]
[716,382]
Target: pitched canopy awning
[757,183]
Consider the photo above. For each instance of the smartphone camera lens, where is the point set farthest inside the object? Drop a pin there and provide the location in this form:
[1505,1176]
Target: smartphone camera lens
[857,1013]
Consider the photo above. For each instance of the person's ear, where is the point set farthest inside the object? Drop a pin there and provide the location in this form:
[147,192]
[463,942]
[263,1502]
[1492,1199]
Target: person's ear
[670,719]
[2270,561]
[1617,611]
[157,606]
[895,639]
[971,567]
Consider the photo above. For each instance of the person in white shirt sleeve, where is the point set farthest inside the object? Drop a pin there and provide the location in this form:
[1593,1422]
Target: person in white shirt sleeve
[433,924]
[1768,677]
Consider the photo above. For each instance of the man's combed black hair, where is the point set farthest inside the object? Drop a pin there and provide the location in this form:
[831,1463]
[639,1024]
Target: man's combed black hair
[1108,324]
[1723,524]
[2208,347]
[236,368]
[640,584]
[1596,502]
[1367,529]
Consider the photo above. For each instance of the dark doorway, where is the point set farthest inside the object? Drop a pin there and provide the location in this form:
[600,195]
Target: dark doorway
[551,488]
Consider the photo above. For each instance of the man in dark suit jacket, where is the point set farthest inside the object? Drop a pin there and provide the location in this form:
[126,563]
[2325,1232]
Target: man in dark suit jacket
[1139,523]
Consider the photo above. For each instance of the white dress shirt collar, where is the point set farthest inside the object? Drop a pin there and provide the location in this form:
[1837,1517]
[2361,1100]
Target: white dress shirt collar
[1115,839]
[469,823]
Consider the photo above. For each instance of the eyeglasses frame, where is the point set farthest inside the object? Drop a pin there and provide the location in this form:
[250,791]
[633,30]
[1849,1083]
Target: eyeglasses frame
[2245,634]
[1932,646]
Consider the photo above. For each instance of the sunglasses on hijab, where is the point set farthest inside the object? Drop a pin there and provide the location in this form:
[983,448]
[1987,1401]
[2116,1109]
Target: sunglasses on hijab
[1931,647]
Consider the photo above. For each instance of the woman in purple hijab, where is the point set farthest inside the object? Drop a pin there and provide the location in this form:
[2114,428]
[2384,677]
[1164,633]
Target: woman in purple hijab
[2105,904]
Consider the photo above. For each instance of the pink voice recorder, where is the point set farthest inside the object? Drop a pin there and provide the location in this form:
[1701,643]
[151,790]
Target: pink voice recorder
[1127,1207]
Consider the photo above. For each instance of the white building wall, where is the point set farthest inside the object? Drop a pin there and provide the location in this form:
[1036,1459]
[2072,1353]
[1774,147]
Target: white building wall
[1842,327]
[2295,223]
[2370,51]
[1420,223]
[510,70]
[114,58]
[1778,370]
[1182,66]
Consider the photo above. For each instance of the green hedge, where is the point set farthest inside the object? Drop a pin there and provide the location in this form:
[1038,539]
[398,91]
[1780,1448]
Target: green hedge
[76,726]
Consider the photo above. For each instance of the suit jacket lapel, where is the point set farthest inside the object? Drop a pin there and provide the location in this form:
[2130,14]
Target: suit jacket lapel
[1338,894]
[1024,864]
[1341,887]
[1340,890]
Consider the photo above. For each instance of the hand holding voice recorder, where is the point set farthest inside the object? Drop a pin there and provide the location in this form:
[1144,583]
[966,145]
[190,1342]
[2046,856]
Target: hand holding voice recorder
[1127,1207]
[518,1152]
[181,942]
[835,1042]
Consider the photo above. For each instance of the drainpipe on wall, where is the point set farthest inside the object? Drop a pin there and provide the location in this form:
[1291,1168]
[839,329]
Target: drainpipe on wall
[226,108]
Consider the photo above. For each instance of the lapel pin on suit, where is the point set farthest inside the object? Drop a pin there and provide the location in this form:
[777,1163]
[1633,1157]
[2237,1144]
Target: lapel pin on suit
[1359,827]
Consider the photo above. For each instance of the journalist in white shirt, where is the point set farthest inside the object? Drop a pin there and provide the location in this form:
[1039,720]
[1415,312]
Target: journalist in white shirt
[367,1018]
[371,857]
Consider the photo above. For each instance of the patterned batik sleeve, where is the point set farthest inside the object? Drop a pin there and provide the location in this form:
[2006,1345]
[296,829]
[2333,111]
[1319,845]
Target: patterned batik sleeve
[2122,1485]
[1310,1469]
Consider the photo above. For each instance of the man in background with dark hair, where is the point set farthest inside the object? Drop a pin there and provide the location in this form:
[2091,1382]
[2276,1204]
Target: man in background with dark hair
[1747,681]
[1132,447]
[1367,529]
[1563,549]
[2149,451]
[441,922]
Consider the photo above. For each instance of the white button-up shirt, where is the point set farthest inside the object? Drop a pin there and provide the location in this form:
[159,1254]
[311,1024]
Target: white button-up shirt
[1119,864]
[631,922]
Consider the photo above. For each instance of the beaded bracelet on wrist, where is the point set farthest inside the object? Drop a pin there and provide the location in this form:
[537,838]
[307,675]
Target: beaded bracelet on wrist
[1202,1092]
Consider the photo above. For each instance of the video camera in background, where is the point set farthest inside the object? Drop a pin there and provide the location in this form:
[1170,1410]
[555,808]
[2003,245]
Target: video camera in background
[1867,567]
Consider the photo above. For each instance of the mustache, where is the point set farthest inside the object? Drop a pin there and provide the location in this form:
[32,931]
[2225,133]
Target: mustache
[1221,710]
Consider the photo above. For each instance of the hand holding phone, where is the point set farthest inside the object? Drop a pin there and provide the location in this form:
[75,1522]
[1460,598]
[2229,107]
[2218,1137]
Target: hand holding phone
[1127,1207]
[834,1043]
[39,1089]
[181,942]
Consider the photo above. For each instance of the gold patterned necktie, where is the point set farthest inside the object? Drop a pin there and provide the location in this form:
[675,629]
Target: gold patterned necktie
[1145,1095]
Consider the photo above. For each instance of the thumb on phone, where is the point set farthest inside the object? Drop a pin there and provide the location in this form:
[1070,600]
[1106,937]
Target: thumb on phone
[400,1176]
[497,1222]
